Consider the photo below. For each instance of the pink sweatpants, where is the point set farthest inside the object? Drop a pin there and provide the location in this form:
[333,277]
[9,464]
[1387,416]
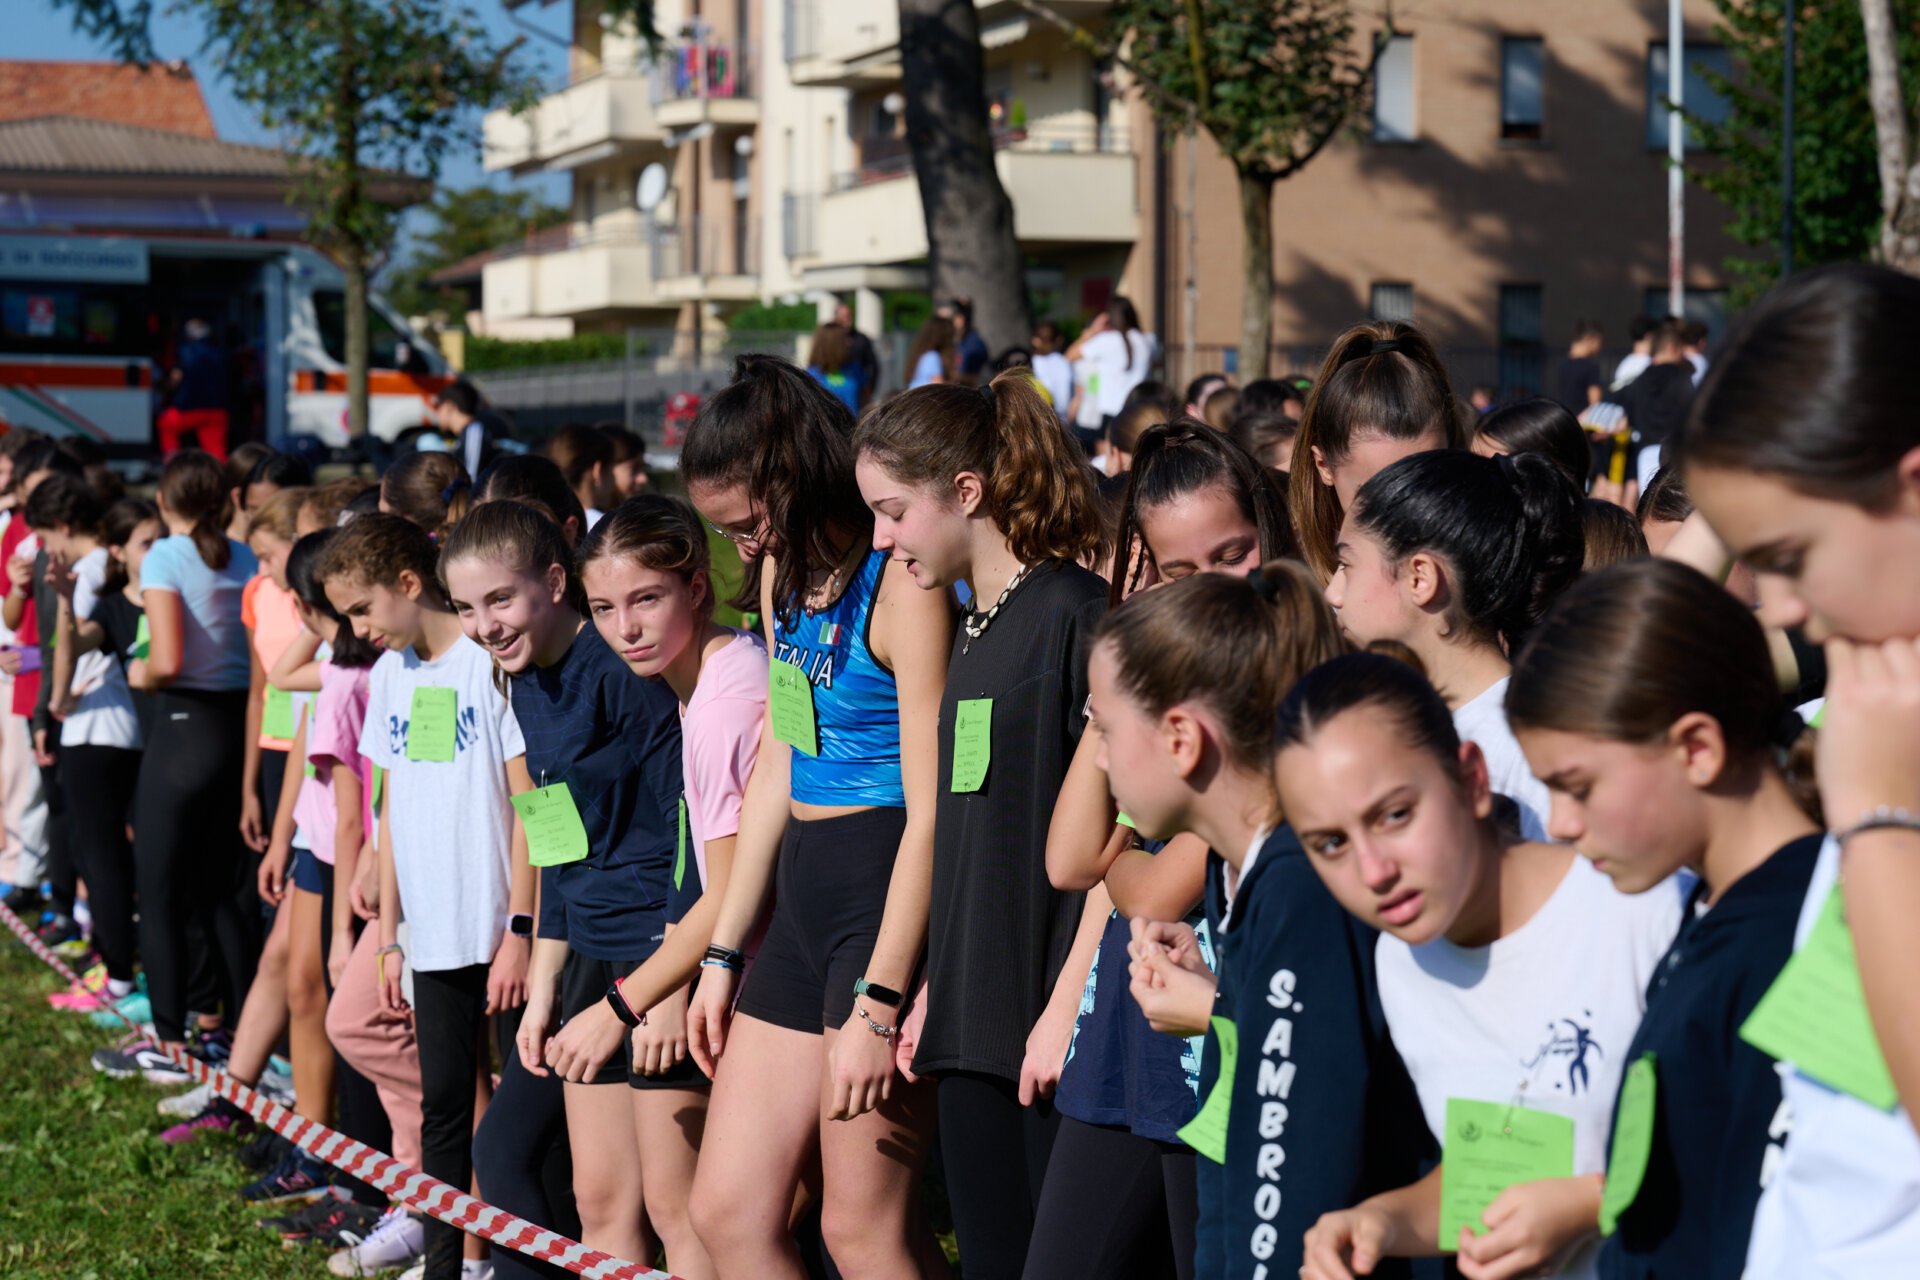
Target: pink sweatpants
[379,1045]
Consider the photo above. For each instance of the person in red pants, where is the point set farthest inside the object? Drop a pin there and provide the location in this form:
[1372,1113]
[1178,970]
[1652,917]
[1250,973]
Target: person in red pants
[199,389]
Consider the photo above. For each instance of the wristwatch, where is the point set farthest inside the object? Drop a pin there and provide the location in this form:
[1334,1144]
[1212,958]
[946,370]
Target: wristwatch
[617,1001]
[874,991]
[520,925]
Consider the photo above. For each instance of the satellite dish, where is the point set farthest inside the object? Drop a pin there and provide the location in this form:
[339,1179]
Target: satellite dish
[652,188]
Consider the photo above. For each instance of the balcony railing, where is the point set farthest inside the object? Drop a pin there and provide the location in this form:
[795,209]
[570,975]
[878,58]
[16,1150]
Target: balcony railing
[799,213]
[886,156]
[727,246]
[703,67]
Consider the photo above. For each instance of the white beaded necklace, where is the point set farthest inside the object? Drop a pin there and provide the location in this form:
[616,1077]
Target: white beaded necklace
[975,631]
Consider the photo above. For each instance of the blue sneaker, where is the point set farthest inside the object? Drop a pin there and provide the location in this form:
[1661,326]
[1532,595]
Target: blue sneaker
[297,1178]
[134,1007]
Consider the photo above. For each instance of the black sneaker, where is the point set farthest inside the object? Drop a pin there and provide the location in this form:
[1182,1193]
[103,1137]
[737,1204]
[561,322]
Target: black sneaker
[59,930]
[24,900]
[298,1176]
[325,1221]
[263,1151]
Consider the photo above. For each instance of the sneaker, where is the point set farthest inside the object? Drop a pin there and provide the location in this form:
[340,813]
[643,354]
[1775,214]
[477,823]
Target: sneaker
[135,1008]
[298,1176]
[140,1058]
[470,1269]
[77,951]
[219,1116]
[336,1221]
[59,929]
[276,1086]
[184,1106]
[24,901]
[84,995]
[396,1241]
[213,1047]
[264,1152]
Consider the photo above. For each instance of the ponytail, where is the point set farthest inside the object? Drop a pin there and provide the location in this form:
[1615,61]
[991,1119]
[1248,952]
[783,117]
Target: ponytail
[1509,529]
[1039,490]
[1381,378]
[430,489]
[193,487]
[1183,457]
[1236,645]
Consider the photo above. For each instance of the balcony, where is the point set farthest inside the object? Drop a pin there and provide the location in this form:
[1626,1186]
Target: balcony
[1068,186]
[592,119]
[704,82]
[842,43]
[707,260]
[579,272]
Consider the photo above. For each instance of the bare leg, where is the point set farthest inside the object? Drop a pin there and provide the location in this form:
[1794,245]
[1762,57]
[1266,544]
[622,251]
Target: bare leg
[307,1009]
[667,1127]
[264,1015]
[607,1176]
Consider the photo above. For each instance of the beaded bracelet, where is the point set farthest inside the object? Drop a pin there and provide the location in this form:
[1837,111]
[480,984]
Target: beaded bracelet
[884,1032]
[1883,818]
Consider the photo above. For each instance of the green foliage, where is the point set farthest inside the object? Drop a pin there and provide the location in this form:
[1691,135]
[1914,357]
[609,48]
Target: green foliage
[765,317]
[1273,80]
[86,1186]
[499,353]
[1836,196]
[126,28]
[462,224]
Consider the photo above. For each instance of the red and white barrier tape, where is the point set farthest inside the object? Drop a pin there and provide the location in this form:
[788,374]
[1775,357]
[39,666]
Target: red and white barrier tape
[408,1186]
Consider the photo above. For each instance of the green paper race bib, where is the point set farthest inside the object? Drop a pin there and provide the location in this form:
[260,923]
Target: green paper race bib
[379,787]
[680,848]
[142,639]
[972,743]
[1126,822]
[790,707]
[311,773]
[1490,1147]
[555,834]
[430,724]
[1207,1131]
[1632,1143]
[1815,1014]
[276,719]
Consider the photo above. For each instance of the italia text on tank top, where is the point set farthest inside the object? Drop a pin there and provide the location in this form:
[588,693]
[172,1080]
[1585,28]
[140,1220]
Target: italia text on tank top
[856,705]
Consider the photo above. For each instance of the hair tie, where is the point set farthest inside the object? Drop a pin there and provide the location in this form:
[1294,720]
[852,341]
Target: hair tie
[1265,587]
[459,483]
[1786,730]
[1386,347]
[1508,467]
[993,402]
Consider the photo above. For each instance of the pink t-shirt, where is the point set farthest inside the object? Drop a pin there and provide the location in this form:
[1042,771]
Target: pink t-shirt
[719,738]
[268,612]
[333,736]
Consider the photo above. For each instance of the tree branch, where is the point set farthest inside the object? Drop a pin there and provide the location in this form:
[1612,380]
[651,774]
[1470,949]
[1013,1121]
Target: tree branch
[1889,106]
[1081,38]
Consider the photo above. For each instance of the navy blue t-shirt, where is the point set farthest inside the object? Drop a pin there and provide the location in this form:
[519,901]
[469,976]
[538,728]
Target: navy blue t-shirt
[614,739]
[1323,1113]
[1718,1114]
[203,377]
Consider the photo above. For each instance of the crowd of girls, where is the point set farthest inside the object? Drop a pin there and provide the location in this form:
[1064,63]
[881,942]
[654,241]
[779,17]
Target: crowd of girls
[1383,867]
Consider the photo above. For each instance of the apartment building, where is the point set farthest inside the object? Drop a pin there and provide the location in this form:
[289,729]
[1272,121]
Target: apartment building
[765,158]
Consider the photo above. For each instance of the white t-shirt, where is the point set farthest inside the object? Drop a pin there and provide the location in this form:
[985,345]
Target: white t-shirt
[1120,362]
[103,713]
[1483,721]
[593,518]
[1086,376]
[1844,1201]
[1631,366]
[1543,1016]
[1055,372]
[452,820]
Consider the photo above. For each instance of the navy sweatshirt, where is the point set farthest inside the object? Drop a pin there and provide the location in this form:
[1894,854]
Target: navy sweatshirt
[614,739]
[1719,1118]
[1323,1113]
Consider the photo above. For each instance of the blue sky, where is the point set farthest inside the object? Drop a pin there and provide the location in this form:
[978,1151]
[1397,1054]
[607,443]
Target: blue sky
[35,29]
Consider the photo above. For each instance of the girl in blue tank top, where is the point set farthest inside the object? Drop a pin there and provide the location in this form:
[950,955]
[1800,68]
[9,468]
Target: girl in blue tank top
[837,823]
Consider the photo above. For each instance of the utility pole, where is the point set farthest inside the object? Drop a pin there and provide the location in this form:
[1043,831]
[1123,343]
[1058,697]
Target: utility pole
[1676,165]
[1786,147]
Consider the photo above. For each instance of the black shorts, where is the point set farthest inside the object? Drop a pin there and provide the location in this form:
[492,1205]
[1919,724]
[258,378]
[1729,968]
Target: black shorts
[583,984]
[309,873]
[830,892]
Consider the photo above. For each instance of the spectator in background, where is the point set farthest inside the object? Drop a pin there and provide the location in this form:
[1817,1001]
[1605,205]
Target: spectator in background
[1693,338]
[585,458]
[1656,402]
[1120,355]
[1199,389]
[860,354]
[238,463]
[1268,437]
[1122,436]
[197,389]
[931,357]
[1268,395]
[630,474]
[1631,366]
[1580,382]
[1484,397]
[1051,366]
[1536,425]
[1223,406]
[1612,534]
[970,349]
[830,362]
[458,407]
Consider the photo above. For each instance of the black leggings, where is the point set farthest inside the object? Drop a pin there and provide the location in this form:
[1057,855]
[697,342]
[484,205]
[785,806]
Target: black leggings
[524,1163]
[62,871]
[99,784]
[995,1152]
[1114,1204]
[450,1028]
[189,860]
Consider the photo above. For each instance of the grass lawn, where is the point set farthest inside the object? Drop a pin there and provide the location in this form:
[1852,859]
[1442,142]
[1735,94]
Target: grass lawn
[87,1190]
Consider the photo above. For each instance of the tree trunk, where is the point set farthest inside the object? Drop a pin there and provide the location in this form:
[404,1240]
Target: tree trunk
[354,263]
[1256,270]
[1899,177]
[971,248]
[349,212]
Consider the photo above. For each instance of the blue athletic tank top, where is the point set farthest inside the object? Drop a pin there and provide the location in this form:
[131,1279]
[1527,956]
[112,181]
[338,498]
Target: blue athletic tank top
[856,705]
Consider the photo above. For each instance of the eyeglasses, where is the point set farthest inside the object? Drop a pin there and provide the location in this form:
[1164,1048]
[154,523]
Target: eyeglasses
[738,539]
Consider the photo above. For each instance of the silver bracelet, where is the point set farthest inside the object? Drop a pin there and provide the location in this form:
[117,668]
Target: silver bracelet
[884,1032]
[1883,818]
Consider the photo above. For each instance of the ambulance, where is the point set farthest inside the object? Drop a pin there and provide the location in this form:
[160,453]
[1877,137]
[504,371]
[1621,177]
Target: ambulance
[89,325]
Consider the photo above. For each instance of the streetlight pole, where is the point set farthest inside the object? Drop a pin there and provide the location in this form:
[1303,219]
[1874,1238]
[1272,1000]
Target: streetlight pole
[1676,165]
[1786,146]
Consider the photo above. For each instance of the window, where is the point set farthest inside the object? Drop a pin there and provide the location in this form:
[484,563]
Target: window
[1522,101]
[384,342]
[1522,335]
[1393,92]
[1391,302]
[1696,94]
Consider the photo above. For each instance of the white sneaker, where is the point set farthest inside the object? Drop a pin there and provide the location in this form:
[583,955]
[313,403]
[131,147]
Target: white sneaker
[185,1106]
[276,1086]
[470,1269]
[395,1241]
